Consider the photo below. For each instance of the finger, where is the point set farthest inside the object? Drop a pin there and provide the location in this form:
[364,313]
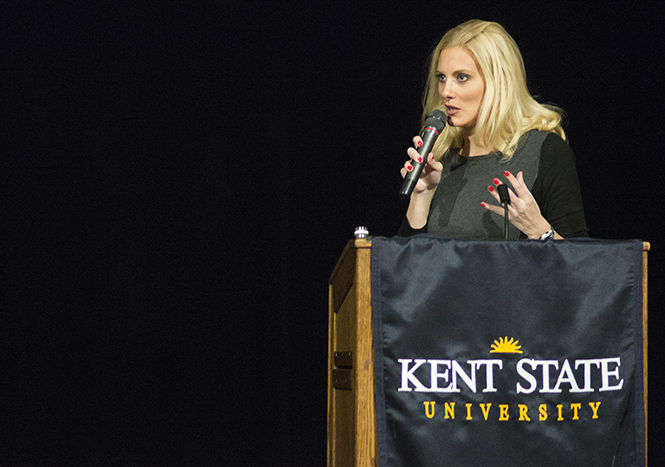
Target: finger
[517,183]
[417,141]
[494,192]
[514,199]
[434,164]
[406,169]
[492,208]
[520,177]
[413,154]
[515,203]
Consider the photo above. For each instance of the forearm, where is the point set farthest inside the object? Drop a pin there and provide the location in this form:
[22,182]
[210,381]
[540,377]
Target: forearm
[418,210]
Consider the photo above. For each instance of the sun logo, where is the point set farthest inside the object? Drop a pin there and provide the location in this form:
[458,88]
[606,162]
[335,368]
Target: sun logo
[505,345]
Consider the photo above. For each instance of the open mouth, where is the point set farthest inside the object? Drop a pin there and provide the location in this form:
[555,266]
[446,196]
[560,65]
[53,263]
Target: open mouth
[450,110]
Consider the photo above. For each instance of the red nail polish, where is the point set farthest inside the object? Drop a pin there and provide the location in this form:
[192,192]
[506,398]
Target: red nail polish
[409,168]
[496,181]
[490,188]
[483,205]
[420,159]
[420,143]
[506,173]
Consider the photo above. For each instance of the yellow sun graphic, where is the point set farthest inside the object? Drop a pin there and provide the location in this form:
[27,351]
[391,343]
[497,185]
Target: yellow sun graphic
[505,345]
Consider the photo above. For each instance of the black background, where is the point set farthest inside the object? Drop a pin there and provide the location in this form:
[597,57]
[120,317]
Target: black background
[180,178]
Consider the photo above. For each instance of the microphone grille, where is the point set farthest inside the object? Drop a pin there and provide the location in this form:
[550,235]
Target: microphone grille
[436,119]
[504,197]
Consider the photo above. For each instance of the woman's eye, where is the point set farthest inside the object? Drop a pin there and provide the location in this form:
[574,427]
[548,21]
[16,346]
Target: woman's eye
[441,77]
[462,77]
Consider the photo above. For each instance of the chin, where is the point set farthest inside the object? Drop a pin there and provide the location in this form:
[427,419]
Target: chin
[457,119]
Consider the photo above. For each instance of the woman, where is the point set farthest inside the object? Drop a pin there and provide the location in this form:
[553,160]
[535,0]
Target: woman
[496,131]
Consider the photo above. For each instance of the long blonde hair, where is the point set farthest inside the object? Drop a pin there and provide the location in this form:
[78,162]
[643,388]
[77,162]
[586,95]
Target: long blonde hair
[507,110]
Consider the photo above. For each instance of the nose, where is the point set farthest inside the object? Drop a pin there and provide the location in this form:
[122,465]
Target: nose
[446,90]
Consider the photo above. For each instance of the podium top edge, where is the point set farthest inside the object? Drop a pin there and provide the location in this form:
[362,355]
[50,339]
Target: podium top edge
[367,243]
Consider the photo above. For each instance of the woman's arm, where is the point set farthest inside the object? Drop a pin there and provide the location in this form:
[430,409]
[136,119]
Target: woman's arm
[555,200]
[421,198]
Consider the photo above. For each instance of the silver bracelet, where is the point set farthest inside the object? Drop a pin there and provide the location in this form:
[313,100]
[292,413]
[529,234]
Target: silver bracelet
[548,235]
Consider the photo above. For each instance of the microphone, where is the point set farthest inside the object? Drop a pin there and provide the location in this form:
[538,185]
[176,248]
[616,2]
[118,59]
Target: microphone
[435,122]
[504,198]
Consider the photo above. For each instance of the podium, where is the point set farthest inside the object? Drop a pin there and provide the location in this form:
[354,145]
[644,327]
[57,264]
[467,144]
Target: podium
[351,416]
[352,437]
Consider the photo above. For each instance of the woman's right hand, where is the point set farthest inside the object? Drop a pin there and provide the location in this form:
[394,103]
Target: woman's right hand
[431,174]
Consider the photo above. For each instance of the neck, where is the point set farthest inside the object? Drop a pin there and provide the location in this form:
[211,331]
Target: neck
[471,148]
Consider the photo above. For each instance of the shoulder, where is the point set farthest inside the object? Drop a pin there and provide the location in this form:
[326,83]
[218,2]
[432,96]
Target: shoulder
[554,142]
[532,141]
[557,161]
[531,144]
[554,151]
[546,138]
[551,148]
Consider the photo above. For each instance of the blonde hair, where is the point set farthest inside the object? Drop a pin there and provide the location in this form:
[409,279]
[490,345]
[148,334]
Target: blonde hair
[507,110]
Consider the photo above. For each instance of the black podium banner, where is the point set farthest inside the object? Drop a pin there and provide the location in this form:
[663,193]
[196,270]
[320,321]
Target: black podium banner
[508,353]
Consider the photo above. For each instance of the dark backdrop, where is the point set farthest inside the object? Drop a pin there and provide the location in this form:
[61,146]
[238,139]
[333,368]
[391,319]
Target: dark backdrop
[180,178]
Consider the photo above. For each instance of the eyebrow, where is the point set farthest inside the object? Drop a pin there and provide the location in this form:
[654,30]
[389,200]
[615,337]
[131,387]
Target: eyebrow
[456,72]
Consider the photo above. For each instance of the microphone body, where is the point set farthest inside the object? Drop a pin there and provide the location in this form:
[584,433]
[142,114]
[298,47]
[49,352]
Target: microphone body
[504,198]
[434,125]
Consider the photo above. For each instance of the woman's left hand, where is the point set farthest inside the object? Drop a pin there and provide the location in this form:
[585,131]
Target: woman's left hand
[523,211]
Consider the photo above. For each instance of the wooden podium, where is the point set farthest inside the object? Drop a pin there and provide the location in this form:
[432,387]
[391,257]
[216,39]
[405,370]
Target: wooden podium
[351,413]
[351,420]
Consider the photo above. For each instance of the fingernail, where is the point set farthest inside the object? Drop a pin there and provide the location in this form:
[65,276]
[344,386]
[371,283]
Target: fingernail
[496,181]
[420,159]
[420,143]
[506,173]
[483,205]
[409,168]
[490,188]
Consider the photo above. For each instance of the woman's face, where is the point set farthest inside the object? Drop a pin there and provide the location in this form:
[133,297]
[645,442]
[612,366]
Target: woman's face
[461,86]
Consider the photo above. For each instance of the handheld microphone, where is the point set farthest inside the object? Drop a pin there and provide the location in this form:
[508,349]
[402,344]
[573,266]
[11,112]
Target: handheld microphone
[435,122]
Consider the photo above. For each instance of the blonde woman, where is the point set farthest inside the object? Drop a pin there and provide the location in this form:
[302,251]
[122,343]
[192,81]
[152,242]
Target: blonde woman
[496,132]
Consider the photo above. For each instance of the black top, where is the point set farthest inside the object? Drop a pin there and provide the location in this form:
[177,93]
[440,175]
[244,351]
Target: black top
[549,170]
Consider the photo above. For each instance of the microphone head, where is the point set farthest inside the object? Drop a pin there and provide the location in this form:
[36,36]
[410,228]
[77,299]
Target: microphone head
[504,197]
[436,119]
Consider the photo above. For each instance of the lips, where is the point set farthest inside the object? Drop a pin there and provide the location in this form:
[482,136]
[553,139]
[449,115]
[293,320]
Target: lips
[451,110]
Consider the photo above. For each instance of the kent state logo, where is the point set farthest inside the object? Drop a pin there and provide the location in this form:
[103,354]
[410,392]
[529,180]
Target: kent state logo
[531,376]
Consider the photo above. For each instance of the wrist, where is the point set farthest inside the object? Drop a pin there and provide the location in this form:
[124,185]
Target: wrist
[425,195]
[549,235]
[543,232]
[418,210]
